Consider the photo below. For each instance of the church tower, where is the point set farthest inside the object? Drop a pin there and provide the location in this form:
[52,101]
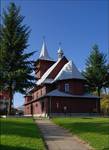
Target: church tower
[60,53]
[44,62]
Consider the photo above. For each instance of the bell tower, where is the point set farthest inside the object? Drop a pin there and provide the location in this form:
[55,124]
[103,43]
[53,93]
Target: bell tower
[44,61]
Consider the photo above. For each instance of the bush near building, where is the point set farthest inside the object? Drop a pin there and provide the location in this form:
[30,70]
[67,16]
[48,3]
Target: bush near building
[105,104]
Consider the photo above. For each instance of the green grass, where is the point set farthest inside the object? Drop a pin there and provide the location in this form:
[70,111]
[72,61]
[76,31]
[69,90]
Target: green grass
[20,134]
[95,131]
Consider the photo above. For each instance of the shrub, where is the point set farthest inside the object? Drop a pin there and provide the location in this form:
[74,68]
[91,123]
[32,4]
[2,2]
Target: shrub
[105,104]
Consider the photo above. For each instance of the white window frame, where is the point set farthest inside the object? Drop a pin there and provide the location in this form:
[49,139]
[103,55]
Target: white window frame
[66,87]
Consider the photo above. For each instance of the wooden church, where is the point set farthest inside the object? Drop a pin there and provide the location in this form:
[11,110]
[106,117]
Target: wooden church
[60,88]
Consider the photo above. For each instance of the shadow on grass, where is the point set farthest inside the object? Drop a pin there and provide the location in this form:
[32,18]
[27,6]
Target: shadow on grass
[19,128]
[87,118]
[7,147]
[82,127]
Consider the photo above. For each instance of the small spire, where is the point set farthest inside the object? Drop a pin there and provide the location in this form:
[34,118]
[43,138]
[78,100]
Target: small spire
[44,52]
[60,51]
[60,44]
[43,38]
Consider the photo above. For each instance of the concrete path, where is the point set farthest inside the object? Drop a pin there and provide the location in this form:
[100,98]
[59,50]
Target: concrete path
[57,138]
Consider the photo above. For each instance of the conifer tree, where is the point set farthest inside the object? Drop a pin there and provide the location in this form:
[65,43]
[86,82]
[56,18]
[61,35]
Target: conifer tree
[15,64]
[96,71]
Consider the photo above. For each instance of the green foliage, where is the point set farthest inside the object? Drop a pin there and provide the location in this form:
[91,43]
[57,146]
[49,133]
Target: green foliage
[107,77]
[105,104]
[15,64]
[96,72]
[95,130]
[20,134]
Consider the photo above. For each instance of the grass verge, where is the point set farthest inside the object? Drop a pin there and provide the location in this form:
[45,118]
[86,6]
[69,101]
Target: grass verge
[20,134]
[95,131]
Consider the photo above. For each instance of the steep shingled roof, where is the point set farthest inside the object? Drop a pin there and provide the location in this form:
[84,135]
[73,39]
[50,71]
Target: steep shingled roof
[58,93]
[46,74]
[44,53]
[69,71]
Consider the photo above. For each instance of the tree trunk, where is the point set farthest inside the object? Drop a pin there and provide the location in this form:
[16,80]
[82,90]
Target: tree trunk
[10,101]
[99,91]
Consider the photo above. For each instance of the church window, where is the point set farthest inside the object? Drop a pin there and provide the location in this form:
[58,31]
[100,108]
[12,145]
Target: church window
[41,92]
[66,87]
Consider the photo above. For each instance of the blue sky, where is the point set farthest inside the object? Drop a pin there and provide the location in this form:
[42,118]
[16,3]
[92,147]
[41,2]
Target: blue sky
[77,24]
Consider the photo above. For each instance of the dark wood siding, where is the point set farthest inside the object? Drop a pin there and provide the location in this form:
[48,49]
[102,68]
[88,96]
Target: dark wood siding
[74,105]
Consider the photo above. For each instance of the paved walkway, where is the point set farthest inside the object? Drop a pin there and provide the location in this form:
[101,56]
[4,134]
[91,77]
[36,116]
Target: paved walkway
[57,138]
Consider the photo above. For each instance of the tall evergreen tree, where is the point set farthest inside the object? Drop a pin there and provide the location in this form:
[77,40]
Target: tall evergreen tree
[107,77]
[15,65]
[96,72]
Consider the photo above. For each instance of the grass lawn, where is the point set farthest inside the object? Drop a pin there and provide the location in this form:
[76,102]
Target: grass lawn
[95,131]
[20,134]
